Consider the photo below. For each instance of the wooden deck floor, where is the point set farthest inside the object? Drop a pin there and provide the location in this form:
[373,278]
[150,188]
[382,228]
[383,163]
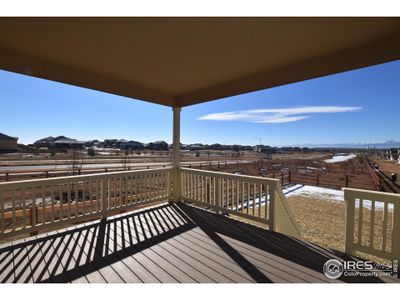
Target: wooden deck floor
[165,243]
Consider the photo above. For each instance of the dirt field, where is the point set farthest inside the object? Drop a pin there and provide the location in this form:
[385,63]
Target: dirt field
[387,166]
[324,223]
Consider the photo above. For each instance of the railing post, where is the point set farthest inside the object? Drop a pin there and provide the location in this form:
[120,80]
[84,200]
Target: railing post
[104,198]
[396,232]
[349,203]
[272,207]
[176,185]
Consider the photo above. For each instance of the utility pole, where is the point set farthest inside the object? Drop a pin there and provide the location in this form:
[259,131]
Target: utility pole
[259,151]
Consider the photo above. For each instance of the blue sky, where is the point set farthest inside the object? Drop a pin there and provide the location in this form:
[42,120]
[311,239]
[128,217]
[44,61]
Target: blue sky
[357,106]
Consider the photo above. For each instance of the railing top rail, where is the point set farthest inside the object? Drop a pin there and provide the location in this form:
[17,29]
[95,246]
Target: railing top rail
[372,195]
[233,176]
[67,179]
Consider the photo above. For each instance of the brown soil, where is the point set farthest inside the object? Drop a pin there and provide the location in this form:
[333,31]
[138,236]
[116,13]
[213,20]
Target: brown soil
[324,223]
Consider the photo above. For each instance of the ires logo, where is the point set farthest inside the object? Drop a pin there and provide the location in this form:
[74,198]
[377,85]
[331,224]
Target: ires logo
[358,265]
[335,268]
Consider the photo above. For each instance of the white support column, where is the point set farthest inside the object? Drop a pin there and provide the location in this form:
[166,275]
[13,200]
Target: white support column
[176,153]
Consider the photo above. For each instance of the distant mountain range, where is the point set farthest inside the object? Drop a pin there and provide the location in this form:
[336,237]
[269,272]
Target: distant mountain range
[382,145]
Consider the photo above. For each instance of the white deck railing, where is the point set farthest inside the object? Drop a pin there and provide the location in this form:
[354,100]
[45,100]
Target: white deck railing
[373,223]
[257,198]
[27,206]
[31,205]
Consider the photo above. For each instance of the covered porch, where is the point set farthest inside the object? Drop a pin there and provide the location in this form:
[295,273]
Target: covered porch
[92,233]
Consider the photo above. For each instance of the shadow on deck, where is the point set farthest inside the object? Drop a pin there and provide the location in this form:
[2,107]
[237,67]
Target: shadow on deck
[166,243]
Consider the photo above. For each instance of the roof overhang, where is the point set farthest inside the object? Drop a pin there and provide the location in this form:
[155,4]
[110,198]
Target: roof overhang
[184,61]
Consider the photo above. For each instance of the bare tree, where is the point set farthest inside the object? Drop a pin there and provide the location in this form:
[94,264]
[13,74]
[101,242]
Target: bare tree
[76,162]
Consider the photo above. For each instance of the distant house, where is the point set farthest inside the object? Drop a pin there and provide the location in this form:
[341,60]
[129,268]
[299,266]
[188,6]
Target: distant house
[131,145]
[196,147]
[8,143]
[158,145]
[59,143]
[66,144]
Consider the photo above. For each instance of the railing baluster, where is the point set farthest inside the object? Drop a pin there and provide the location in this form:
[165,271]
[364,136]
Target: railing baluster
[23,207]
[202,198]
[259,200]
[372,225]
[52,202]
[222,203]
[69,200]
[61,200]
[76,188]
[248,197]
[360,220]
[131,185]
[254,185]
[14,220]
[2,221]
[90,182]
[384,226]
[266,205]
[34,210]
[237,194]
[219,192]
[242,197]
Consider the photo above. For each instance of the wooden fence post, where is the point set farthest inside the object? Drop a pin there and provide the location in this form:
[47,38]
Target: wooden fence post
[317,179]
[347,180]
[290,176]
[7,176]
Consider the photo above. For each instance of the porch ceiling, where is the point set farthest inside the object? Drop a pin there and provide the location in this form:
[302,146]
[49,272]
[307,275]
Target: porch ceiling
[183,61]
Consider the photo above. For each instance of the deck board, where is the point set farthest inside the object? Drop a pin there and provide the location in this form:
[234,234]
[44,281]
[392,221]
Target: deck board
[166,243]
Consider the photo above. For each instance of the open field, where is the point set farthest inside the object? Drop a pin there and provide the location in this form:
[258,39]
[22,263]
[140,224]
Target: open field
[296,167]
[323,223]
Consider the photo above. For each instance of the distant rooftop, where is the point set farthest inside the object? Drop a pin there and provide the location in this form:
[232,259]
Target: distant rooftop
[7,137]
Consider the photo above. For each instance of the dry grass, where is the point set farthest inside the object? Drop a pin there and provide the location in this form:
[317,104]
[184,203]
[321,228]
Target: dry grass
[324,223]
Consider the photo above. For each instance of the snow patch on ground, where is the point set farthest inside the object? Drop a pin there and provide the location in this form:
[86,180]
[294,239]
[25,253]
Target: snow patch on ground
[339,158]
[314,192]
[326,194]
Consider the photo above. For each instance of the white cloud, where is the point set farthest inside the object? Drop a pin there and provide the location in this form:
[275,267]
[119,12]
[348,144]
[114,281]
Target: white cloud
[277,115]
